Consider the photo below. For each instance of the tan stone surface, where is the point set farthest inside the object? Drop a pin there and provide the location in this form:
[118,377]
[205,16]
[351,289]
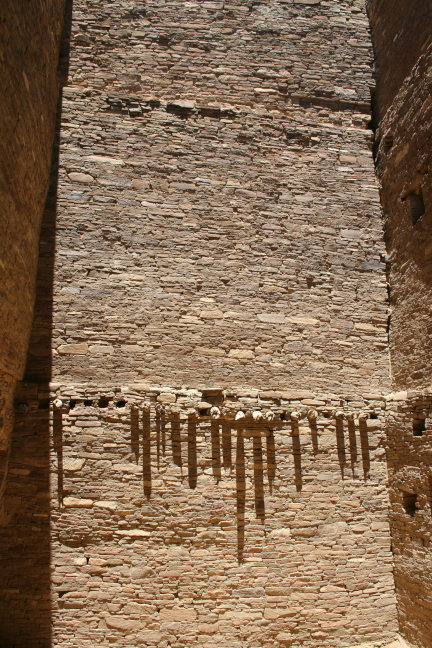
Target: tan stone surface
[29,44]
[410,489]
[184,529]
[403,159]
[209,466]
[200,242]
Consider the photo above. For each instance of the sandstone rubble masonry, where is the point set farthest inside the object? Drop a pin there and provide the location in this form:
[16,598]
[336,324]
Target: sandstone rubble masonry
[262,525]
[403,159]
[403,164]
[218,216]
[29,43]
[409,454]
[218,247]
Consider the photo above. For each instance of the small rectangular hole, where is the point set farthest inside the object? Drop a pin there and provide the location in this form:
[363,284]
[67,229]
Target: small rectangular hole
[387,143]
[419,426]
[430,493]
[409,501]
[417,206]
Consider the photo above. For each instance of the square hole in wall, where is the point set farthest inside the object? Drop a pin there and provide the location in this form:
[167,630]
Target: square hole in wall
[409,501]
[214,396]
[419,426]
[417,206]
[430,493]
[387,143]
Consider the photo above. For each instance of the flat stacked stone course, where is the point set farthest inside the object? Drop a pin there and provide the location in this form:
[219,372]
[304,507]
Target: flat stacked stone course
[30,41]
[242,268]
[403,160]
[211,468]
[403,164]
[409,455]
[254,52]
[212,226]
[261,519]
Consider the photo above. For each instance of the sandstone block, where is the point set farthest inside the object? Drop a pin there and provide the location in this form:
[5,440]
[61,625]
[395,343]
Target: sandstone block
[305,321]
[167,398]
[106,504]
[73,465]
[211,314]
[80,348]
[285,638]
[83,178]
[141,572]
[133,533]
[241,354]
[178,614]
[77,502]
[271,318]
[123,624]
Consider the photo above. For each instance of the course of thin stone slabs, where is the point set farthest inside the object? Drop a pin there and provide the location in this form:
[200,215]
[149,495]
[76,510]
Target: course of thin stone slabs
[182,521]
[218,235]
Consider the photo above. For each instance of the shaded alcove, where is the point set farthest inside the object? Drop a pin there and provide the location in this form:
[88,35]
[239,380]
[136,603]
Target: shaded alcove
[25,568]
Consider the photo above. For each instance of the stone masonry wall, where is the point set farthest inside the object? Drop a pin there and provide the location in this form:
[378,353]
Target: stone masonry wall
[404,168]
[257,521]
[30,38]
[212,227]
[403,160]
[401,33]
[409,438]
[218,245]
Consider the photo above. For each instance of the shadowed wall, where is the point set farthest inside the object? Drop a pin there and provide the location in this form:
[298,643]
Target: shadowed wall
[30,41]
[403,115]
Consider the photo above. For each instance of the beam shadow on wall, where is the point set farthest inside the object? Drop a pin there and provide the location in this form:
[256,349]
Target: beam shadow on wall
[160,435]
[58,449]
[258,474]
[192,451]
[215,449]
[314,435]
[340,445]
[352,441]
[226,446]
[240,494]
[296,450]
[255,452]
[271,458]
[176,440]
[352,445]
[25,610]
[146,453]
[364,445]
[135,435]
[260,437]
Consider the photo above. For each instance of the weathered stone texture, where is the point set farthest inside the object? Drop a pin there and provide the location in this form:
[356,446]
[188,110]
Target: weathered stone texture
[170,527]
[410,486]
[211,232]
[247,52]
[403,157]
[217,462]
[29,38]
[404,167]
[401,32]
